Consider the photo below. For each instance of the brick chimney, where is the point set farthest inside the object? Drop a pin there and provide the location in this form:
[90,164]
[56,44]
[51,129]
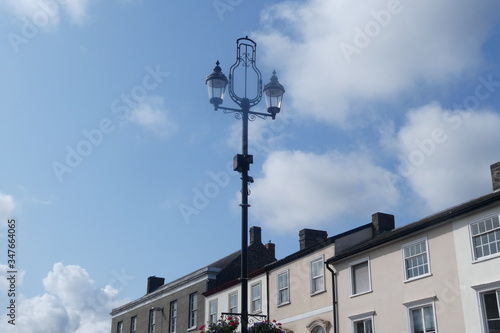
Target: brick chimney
[255,235]
[308,237]
[495,176]
[271,247]
[154,283]
[382,223]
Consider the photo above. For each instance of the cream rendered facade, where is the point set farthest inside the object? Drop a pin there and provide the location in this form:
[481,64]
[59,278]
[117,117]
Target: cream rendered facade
[389,296]
[475,276]
[257,299]
[306,310]
[447,289]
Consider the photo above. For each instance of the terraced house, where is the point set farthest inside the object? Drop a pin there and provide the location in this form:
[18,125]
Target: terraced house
[439,274]
[436,275]
[179,306]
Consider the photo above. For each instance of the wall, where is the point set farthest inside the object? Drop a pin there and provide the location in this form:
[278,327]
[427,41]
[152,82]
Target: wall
[162,322]
[304,308]
[473,275]
[389,291]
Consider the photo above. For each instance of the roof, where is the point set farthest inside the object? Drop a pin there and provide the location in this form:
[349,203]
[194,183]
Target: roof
[215,274]
[439,218]
[313,248]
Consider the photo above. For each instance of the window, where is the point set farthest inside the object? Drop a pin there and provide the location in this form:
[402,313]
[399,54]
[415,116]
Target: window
[133,324]
[319,329]
[283,288]
[485,237]
[152,320]
[233,303]
[422,319]
[416,259]
[317,276]
[363,326]
[360,277]
[212,308]
[173,316]
[490,303]
[193,309]
[119,327]
[318,326]
[257,298]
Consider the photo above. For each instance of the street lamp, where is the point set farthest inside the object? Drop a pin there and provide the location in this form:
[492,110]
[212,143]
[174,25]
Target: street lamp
[273,91]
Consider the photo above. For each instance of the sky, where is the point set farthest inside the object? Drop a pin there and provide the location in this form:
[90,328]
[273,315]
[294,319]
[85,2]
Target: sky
[115,167]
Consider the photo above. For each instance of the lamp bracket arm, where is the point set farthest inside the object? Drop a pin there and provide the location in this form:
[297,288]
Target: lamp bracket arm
[251,114]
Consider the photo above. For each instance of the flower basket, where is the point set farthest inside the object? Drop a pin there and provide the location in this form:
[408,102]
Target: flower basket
[223,325]
[266,327]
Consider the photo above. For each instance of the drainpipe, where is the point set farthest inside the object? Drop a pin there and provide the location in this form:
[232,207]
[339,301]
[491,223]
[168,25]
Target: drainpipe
[334,299]
[268,298]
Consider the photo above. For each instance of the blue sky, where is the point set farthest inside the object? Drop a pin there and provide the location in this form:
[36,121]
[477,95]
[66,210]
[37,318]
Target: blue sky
[116,167]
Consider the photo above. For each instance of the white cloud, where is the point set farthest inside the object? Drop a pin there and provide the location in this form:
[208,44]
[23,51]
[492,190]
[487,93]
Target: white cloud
[48,13]
[152,116]
[445,155]
[72,303]
[7,206]
[300,190]
[77,10]
[406,44]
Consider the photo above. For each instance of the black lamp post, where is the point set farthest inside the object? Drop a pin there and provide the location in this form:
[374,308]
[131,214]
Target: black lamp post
[273,91]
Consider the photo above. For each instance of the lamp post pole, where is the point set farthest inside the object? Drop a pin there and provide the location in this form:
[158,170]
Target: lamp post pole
[273,91]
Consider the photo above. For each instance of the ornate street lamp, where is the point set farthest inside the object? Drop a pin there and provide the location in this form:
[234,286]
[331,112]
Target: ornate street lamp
[273,91]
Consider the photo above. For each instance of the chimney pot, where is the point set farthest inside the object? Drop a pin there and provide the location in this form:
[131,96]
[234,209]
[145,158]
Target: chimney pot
[308,237]
[255,235]
[495,176]
[154,283]
[381,223]
[271,247]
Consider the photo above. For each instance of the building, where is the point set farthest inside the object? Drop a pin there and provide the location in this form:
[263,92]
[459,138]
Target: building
[299,293]
[226,297]
[439,274]
[179,306]
[300,286]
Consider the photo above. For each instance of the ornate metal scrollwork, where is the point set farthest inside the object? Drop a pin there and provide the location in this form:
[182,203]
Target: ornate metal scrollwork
[252,318]
[245,57]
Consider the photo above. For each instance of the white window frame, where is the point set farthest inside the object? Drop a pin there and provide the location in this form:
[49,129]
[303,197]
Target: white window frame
[319,276]
[193,310]
[173,317]
[232,308]
[119,327]
[481,290]
[365,321]
[351,277]
[212,311]
[495,231]
[286,288]
[420,304]
[405,268]
[152,321]
[133,324]
[363,317]
[256,299]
